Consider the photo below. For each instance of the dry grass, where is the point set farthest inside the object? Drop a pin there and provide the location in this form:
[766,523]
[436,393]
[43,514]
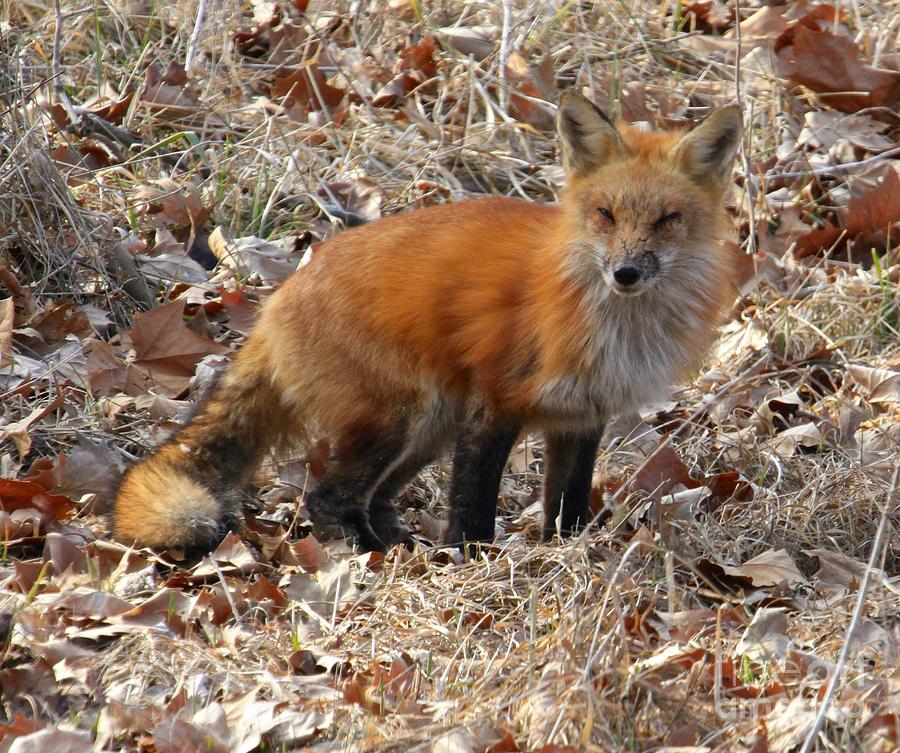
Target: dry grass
[629,638]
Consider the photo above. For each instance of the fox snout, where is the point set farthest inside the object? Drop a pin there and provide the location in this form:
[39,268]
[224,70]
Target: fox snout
[627,275]
[633,275]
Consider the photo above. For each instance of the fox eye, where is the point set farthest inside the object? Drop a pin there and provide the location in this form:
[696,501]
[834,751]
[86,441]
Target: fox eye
[666,219]
[606,213]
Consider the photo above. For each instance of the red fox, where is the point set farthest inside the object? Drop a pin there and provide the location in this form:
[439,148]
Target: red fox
[465,324]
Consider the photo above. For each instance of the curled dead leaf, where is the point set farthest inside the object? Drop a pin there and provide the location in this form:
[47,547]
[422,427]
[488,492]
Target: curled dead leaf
[529,83]
[837,571]
[875,210]
[880,385]
[803,438]
[255,258]
[17,431]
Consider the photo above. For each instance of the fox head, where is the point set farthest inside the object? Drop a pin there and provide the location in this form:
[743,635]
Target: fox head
[644,206]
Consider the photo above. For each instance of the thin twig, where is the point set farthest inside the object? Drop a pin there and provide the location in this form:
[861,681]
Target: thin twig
[503,93]
[749,185]
[835,169]
[58,87]
[226,592]
[195,37]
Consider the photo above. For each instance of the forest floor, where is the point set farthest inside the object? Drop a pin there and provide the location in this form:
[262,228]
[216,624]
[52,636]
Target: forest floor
[163,168]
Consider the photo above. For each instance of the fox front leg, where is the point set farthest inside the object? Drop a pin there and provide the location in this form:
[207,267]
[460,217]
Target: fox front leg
[482,449]
[568,469]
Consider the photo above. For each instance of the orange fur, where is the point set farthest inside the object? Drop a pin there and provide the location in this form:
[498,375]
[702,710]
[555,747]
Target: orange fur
[494,299]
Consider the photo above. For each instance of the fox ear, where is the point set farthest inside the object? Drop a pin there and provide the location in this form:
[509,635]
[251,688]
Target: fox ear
[706,153]
[588,137]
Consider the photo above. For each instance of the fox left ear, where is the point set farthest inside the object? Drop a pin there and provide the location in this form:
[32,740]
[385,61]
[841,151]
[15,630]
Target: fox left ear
[706,153]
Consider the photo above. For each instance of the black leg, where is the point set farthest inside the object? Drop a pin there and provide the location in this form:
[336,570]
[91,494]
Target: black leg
[338,505]
[430,435]
[568,470]
[383,515]
[482,449]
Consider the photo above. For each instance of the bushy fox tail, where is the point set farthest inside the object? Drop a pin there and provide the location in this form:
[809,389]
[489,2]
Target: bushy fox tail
[187,493]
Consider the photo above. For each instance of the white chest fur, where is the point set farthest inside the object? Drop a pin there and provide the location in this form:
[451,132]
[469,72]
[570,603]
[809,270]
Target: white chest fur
[634,352]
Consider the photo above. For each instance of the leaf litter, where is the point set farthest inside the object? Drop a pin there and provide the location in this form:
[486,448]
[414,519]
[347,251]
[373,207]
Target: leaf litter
[149,206]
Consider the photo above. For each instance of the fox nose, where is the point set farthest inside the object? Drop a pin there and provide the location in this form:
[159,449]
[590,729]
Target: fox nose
[627,274]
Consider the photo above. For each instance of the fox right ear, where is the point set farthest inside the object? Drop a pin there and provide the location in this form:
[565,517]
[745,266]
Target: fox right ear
[588,137]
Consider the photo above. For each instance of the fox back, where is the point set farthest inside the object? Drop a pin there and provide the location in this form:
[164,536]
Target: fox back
[462,325]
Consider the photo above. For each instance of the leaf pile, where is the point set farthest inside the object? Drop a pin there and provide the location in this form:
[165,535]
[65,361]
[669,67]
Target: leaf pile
[165,166]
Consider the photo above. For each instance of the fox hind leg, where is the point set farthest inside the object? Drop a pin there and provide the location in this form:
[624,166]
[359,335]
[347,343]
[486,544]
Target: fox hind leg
[383,514]
[432,432]
[339,503]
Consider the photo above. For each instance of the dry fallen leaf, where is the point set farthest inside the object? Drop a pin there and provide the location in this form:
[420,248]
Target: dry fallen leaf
[89,468]
[255,258]
[830,65]
[55,740]
[826,129]
[308,553]
[171,267]
[359,199]
[788,724]
[166,349]
[875,211]
[419,59]
[168,91]
[241,310]
[416,66]
[760,29]
[55,322]
[180,736]
[531,82]
[477,41]
[116,108]
[17,431]
[167,204]
[7,315]
[879,385]
[803,438]
[836,570]
[105,370]
[771,568]
[306,89]
[766,637]
[738,337]
[710,14]
[775,411]
[333,588]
